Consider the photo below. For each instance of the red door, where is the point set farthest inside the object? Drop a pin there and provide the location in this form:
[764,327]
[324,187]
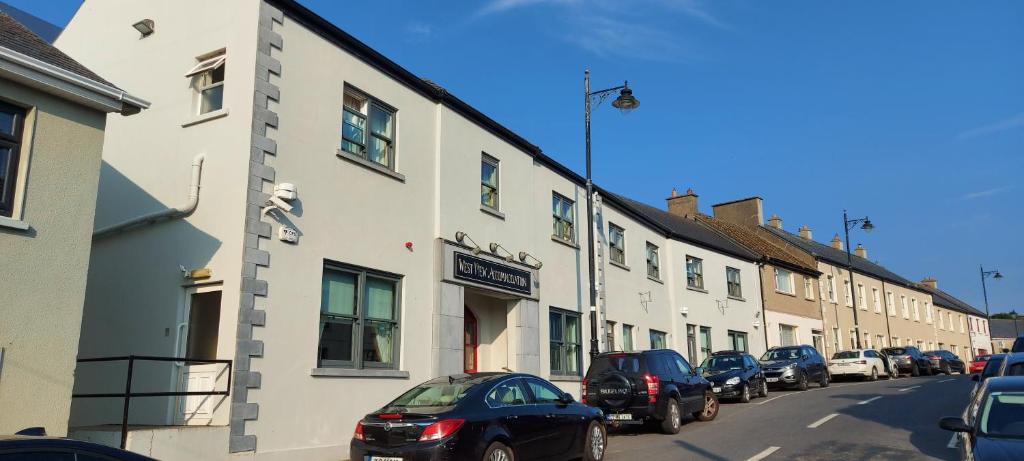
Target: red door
[470,343]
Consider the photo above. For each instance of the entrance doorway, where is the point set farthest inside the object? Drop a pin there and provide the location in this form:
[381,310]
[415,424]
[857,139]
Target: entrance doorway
[197,339]
[471,342]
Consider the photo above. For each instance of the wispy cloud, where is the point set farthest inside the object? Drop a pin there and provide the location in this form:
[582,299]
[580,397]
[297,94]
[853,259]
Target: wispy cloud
[419,31]
[986,193]
[1017,121]
[498,6]
[608,37]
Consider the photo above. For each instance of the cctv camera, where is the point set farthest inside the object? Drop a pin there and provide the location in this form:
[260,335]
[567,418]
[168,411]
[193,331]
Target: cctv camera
[283,205]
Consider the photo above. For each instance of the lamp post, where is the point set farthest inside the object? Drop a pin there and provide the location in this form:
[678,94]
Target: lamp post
[625,102]
[984,291]
[847,225]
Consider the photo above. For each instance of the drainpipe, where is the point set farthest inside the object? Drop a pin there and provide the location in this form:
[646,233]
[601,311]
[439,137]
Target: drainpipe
[163,215]
[764,318]
[885,302]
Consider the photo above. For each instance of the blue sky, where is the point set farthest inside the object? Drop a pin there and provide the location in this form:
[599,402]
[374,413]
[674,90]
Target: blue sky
[910,112]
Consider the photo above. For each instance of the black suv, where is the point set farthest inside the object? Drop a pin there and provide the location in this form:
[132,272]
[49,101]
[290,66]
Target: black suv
[794,366]
[909,359]
[734,374]
[948,362]
[655,387]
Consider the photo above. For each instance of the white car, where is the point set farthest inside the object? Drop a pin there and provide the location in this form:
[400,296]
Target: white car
[865,363]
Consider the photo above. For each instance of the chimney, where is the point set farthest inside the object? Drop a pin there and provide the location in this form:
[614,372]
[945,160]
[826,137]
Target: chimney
[682,205]
[775,221]
[805,232]
[861,251]
[746,211]
[930,282]
[836,243]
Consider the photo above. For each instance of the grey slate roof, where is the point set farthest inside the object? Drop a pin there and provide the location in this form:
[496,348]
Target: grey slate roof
[941,298]
[18,38]
[1003,328]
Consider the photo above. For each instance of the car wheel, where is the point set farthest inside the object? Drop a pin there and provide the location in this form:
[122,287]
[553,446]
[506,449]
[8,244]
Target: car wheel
[946,370]
[670,425]
[498,451]
[710,408]
[824,382]
[874,374]
[802,382]
[597,442]
[764,389]
[915,371]
[745,395]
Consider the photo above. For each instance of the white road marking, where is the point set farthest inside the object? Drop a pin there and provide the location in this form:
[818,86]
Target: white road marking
[834,386]
[872,399]
[822,421]
[764,454]
[905,389]
[947,380]
[953,441]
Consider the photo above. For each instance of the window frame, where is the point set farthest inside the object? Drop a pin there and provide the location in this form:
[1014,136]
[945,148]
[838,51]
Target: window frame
[620,247]
[496,188]
[368,104]
[14,142]
[652,333]
[848,293]
[862,297]
[559,221]
[207,65]
[735,334]
[729,283]
[831,282]
[808,288]
[360,317]
[564,342]
[627,328]
[609,335]
[655,263]
[905,307]
[789,281]
[876,299]
[697,274]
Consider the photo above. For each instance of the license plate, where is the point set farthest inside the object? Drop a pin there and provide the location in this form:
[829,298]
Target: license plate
[716,389]
[384,458]
[620,416]
[773,380]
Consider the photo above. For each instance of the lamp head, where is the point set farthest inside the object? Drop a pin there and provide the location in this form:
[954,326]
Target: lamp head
[145,27]
[867,226]
[626,102]
[998,275]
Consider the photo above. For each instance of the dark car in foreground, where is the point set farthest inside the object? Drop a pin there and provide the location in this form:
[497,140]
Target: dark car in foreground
[794,366]
[946,362]
[655,387]
[1013,365]
[992,368]
[734,374]
[909,360]
[481,416]
[992,427]
[1018,344]
[33,444]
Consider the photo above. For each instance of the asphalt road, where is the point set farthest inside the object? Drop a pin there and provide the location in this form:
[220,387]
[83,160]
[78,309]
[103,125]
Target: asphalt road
[882,420]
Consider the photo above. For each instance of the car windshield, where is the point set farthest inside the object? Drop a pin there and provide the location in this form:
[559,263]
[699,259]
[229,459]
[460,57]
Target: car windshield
[433,395]
[723,363]
[982,358]
[787,353]
[992,366]
[1001,415]
[895,351]
[846,355]
[625,363]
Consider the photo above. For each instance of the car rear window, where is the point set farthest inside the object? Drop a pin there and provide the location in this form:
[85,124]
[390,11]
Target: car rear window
[992,366]
[624,363]
[895,351]
[846,355]
[1016,369]
[433,395]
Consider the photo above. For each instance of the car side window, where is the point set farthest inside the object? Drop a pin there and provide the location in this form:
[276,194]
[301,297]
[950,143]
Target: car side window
[544,392]
[682,366]
[506,394]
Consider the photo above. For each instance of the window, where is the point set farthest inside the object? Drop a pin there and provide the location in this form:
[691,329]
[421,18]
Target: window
[895,341]
[691,343]
[836,339]
[653,263]
[732,279]
[358,318]
[853,338]
[917,313]
[847,293]
[961,323]
[543,392]
[787,335]
[705,342]
[861,300]
[489,182]
[906,309]
[890,304]
[563,221]
[12,121]
[875,299]
[627,337]
[867,341]
[609,336]
[657,339]
[783,281]
[368,129]
[564,333]
[942,323]
[694,272]
[738,340]
[506,394]
[928,312]
[881,340]
[617,244]
[831,289]
[808,288]
[208,83]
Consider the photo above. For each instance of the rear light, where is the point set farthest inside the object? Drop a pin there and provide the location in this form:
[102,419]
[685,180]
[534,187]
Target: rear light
[390,416]
[441,429]
[862,362]
[583,396]
[358,435]
[653,386]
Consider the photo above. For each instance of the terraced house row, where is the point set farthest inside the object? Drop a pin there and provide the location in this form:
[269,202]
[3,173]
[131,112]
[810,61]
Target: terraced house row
[348,229]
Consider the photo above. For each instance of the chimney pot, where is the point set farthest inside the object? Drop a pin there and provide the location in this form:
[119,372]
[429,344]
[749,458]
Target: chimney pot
[805,232]
[675,193]
[861,251]
[775,221]
[930,282]
[836,243]
[683,205]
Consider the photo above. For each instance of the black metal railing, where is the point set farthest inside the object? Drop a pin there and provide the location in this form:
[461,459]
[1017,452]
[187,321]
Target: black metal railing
[128,394]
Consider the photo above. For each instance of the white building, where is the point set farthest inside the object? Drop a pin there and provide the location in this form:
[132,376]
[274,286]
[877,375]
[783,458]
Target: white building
[409,236]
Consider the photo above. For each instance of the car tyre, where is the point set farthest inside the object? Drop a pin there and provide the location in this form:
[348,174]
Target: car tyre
[802,382]
[874,374]
[710,410]
[825,380]
[673,420]
[915,371]
[498,451]
[946,371]
[764,389]
[597,442]
[745,395]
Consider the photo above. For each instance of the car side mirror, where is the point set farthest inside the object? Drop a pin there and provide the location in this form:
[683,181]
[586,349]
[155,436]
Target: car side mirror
[1006,351]
[954,424]
[566,398]
[975,377]
[698,371]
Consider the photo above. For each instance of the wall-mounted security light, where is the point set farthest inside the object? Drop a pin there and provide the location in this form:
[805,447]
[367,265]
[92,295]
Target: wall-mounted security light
[279,200]
[494,247]
[522,258]
[146,27]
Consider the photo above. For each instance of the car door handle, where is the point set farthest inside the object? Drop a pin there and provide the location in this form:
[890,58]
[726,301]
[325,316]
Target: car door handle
[549,415]
[512,417]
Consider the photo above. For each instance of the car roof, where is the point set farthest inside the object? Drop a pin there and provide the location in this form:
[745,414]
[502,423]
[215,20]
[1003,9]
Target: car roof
[474,378]
[1005,384]
[33,441]
[1014,357]
[729,353]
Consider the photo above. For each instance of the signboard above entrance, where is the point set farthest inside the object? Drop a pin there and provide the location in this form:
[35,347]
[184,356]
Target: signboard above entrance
[479,270]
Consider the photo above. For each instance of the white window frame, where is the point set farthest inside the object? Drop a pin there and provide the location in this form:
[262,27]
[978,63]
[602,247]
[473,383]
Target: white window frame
[862,299]
[962,330]
[914,308]
[876,299]
[831,289]
[198,74]
[905,307]
[928,312]
[698,272]
[890,303]
[367,104]
[808,288]
[848,293]
[789,281]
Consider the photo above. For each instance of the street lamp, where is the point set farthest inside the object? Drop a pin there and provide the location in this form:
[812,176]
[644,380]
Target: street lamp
[625,102]
[984,291]
[848,224]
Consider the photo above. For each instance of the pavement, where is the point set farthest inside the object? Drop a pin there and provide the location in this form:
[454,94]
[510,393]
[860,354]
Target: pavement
[881,420]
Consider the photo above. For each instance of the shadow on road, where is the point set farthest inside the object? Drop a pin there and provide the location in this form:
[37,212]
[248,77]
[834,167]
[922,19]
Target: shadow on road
[704,454]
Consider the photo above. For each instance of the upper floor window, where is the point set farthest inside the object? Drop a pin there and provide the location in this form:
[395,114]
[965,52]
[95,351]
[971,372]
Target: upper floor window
[847,293]
[563,218]
[928,312]
[861,301]
[694,272]
[733,282]
[489,182]
[617,244]
[368,129]
[653,263]
[962,324]
[784,281]
[12,121]
[942,323]
[877,302]
[890,304]
[831,289]
[906,308]
[359,318]
[627,337]
[808,288]
[208,82]
[917,313]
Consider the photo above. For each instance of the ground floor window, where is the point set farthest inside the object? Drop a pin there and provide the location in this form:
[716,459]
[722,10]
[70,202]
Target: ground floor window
[787,335]
[627,337]
[657,339]
[881,341]
[609,335]
[738,340]
[705,342]
[853,338]
[817,337]
[564,335]
[359,319]
[691,343]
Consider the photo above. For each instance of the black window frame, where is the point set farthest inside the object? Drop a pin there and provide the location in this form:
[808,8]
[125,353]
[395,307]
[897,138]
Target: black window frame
[698,273]
[14,142]
[651,333]
[730,284]
[617,253]
[564,342]
[360,317]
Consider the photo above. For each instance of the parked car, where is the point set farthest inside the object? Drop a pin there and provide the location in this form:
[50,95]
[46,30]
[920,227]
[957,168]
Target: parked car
[862,363]
[734,374]
[1018,344]
[1013,365]
[909,359]
[481,416]
[33,444]
[794,366]
[979,363]
[946,362]
[992,368]
[992,427]
[655,387]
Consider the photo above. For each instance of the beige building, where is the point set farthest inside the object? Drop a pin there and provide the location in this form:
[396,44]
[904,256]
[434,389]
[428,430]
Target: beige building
[951,316]
[52,115]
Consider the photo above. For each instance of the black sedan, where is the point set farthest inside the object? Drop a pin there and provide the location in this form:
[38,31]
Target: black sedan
[992,428]
[485,416]
[33,444]
[946,362]
[734,374]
